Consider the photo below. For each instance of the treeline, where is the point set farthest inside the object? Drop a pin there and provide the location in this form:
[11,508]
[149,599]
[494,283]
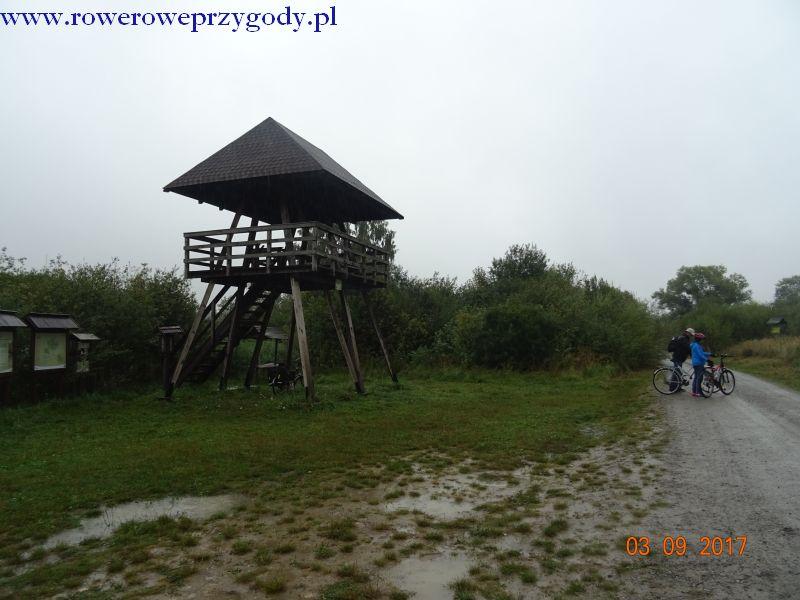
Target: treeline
[523,312]
[720,304]
[121,304]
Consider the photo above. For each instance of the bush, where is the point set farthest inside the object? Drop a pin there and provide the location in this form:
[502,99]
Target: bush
[121,304]
[552,320]
[726,324]
[521,313]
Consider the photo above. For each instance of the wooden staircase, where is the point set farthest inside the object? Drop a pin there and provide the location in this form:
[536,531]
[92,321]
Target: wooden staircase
[225,324]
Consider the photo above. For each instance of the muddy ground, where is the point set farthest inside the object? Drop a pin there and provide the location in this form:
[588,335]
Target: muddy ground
[430,527]
[423,527]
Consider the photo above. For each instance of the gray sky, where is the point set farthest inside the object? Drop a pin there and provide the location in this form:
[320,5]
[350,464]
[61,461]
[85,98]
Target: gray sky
[629,138]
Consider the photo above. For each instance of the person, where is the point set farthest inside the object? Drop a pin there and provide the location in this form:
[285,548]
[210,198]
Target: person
[680,347]
[699,359]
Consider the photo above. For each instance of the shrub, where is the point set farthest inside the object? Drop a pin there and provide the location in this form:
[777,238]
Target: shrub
[123,305]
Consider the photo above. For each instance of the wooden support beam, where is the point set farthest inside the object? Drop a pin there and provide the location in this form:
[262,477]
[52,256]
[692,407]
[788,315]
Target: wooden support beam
[290,341]
[351,338]
[201,312]
[231,343]
[187,344]
[250,249]
[302,340]
[372,318]
[248,381]
[348,357]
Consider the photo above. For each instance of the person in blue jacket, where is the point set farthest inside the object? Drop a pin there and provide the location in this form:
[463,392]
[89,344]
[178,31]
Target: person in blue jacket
[699,359]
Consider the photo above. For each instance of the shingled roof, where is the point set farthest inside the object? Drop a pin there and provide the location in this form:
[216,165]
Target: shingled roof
[51,321]
[9,318]
[271,164]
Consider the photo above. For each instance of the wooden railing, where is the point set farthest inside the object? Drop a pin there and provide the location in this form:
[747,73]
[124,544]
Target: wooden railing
[279,249]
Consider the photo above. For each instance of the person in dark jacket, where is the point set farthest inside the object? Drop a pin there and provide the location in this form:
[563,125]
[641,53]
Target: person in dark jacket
[682,347]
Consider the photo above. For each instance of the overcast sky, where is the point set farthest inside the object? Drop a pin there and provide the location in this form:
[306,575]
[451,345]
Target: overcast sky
[628,138]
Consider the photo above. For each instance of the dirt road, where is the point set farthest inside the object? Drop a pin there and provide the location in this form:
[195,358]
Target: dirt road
[733,469]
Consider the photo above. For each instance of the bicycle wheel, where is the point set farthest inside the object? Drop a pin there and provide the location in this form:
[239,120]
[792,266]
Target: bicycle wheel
[727,382]
[708,386]
[280,382]
[666,380]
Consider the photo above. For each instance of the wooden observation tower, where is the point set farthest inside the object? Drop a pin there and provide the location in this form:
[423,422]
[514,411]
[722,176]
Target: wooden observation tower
[300,203]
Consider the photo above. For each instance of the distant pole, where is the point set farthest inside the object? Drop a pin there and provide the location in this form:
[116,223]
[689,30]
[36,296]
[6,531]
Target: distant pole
[351,338]
[236,316]
[385,352]
[260,341]
[348,357]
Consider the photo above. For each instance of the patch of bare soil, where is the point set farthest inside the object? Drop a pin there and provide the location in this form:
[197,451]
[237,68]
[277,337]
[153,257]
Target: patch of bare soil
[427,528]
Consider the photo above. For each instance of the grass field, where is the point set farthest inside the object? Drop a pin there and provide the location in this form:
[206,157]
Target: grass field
[776,359]
[61,460]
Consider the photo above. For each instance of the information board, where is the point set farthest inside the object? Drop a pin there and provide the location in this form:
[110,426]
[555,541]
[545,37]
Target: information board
[51,351]
[6,349]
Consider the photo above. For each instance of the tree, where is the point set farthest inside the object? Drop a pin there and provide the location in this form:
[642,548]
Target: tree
[692,285]
[787,291]
[378,233]
[520,262]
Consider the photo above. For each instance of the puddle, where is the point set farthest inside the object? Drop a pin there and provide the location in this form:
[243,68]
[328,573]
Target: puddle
[515,543]
[429,577]
[456,495]
[194,507]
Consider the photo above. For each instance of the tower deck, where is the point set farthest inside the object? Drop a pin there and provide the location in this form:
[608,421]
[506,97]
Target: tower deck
[315,254]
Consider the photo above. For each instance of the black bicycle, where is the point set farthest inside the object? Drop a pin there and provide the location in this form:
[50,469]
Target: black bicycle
[283,379]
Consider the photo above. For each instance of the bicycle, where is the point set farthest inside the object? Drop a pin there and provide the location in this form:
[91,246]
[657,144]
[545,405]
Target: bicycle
[669,379]
[283,379]
[718,378]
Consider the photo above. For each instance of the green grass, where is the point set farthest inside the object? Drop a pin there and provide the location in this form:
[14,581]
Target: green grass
[771,369]
[61,459]
[775,358]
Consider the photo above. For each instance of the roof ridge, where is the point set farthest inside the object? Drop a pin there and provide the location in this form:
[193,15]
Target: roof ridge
[269,164]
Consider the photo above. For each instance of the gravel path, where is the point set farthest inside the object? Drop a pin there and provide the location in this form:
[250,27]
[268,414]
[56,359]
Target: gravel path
[733,468]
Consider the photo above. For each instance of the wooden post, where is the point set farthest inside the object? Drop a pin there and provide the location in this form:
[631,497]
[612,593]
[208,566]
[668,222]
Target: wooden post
[348,358]
[260,341]
[372,318]
[250,248]
[187,345]
[226,365]
[290,341]
[302,340]
[352,340]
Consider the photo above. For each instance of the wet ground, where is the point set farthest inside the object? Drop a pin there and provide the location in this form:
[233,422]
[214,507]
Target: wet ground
[429,575]
[110,518]
[434,529]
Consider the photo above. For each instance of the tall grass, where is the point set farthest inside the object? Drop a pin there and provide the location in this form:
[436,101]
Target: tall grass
[784,348]
[776,358]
